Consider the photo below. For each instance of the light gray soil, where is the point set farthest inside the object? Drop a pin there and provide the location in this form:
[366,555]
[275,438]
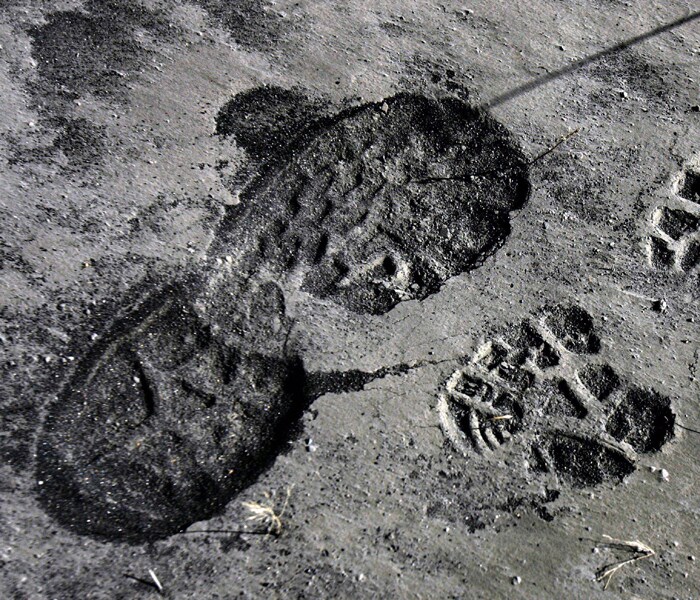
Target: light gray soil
[337,252]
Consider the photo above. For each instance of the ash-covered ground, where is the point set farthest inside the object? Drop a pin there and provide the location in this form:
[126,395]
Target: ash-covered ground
[350,300]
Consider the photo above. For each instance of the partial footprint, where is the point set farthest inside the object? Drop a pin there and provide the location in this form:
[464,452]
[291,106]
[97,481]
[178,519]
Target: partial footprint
[537,385]
[169,416]
[689,186]
[380,203]
[675,241]
[162,423]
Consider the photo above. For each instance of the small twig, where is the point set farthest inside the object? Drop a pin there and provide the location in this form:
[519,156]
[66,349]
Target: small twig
[155,580]
[640,549]
[490,421]
[266,514]
[688,428]
[286,501]
[551,149]
[222,531]
[501,418]
[468,176]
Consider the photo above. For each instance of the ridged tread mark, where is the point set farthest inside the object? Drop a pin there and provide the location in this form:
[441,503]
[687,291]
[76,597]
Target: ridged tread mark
[554,407]
[674,243]
[367,205]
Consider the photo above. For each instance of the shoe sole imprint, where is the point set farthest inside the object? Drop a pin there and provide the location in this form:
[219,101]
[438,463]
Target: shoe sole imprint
[161,425]
[553,398]
[675,241]
[164,421]
[381,203]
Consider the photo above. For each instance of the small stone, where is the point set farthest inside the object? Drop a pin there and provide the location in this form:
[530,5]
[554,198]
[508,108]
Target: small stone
[664,475]
[384,108]
[659,306]
[516,580]
[691,558]
[310,446]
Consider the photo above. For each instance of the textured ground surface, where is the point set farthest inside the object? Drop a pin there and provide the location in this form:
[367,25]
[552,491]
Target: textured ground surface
[259,246]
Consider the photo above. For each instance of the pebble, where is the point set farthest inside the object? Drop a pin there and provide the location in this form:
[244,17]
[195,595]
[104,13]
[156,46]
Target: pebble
[516,580]
[659,306]
[664,475]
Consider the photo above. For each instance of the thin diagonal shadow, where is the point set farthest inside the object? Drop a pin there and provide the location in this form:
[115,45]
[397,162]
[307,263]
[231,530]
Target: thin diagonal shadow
[531,85]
